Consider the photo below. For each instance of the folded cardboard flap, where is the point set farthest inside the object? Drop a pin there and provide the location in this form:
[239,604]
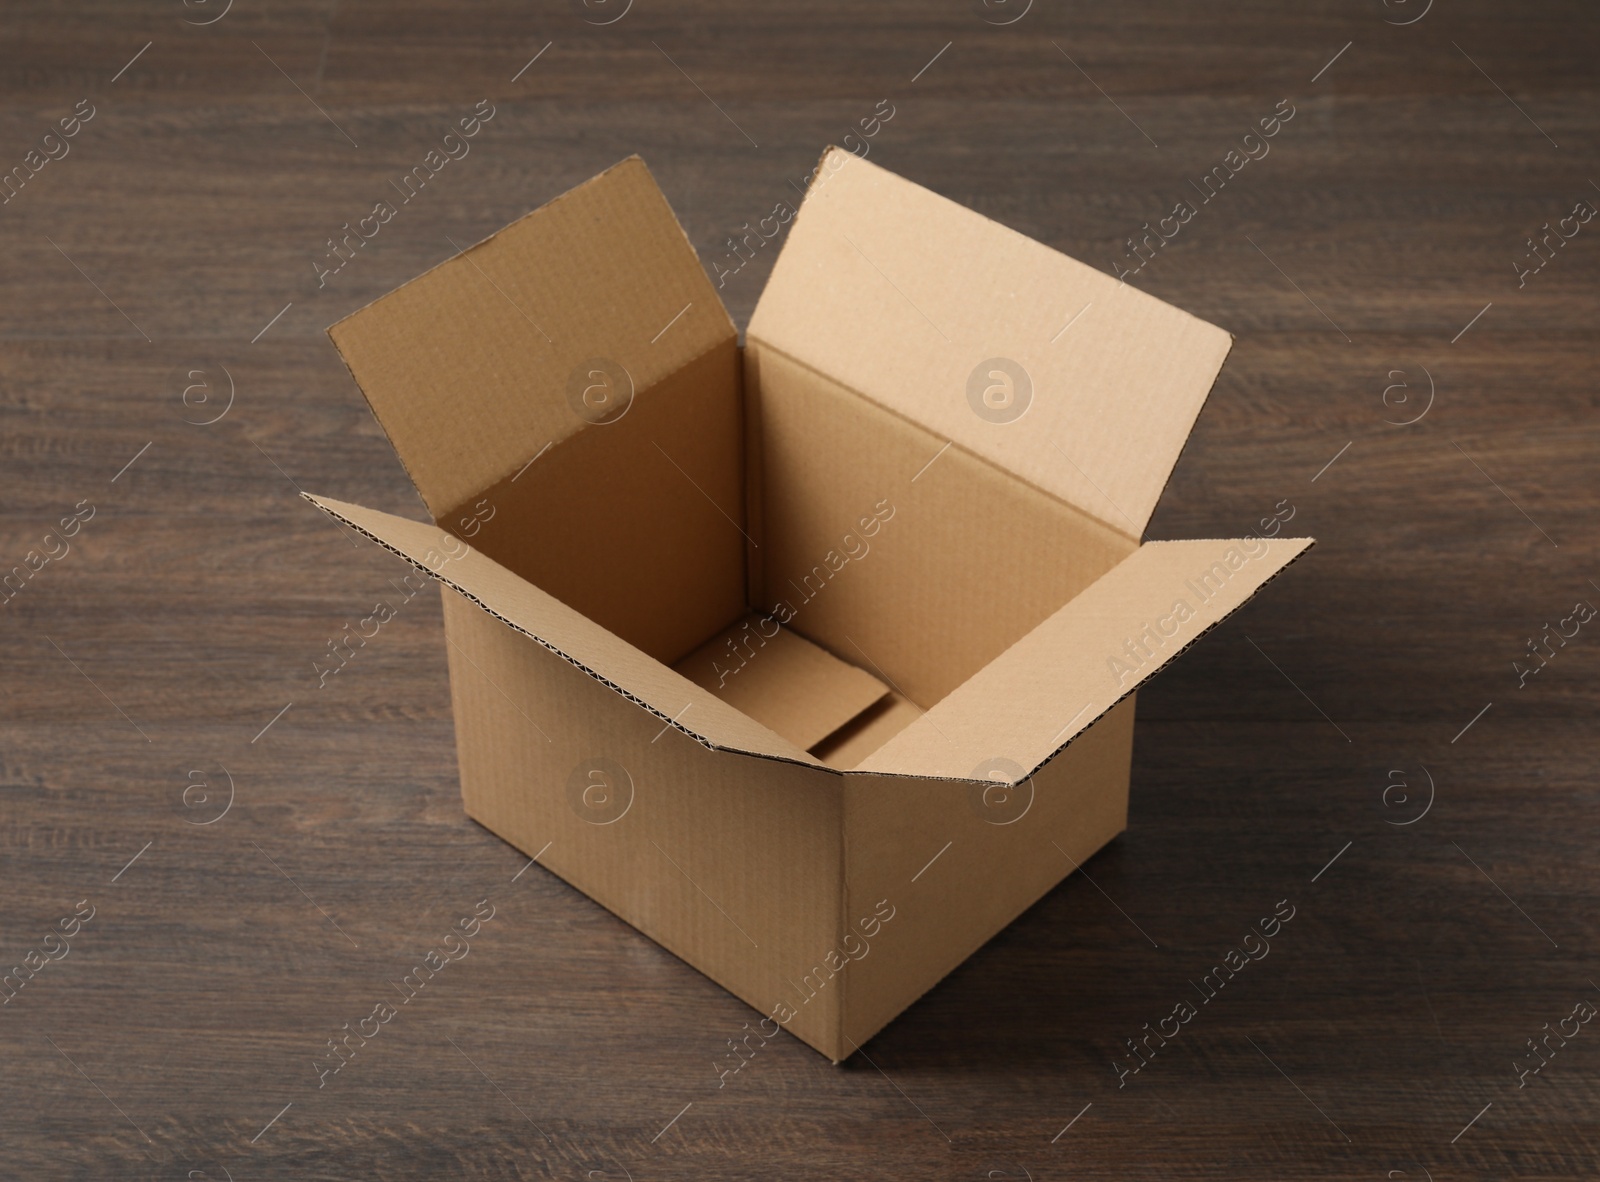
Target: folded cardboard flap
[471,368]
[1080,385]
[1045,690]
[780,679]
[609,659]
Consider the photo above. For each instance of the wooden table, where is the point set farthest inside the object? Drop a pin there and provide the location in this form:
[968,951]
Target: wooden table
[164,273]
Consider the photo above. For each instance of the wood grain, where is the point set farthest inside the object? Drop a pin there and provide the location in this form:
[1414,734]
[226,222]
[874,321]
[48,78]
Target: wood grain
[1389,212]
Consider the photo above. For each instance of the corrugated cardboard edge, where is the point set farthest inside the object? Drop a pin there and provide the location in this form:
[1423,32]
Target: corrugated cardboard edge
[605,681]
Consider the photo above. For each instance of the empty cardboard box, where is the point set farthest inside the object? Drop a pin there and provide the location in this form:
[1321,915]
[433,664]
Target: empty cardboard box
[812,659]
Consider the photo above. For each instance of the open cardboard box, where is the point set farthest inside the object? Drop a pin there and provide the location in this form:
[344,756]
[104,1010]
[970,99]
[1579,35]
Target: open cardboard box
[814,659]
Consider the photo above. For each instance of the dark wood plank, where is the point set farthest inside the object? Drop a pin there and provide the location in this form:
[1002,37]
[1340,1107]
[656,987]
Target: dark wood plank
[1390,210]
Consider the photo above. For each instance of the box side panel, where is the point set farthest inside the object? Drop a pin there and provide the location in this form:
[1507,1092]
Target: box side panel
[999,856]
[636,523]
[879,537]
[729,862]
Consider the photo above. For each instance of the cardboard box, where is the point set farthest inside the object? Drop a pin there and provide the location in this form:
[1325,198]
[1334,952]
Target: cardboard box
[814,659]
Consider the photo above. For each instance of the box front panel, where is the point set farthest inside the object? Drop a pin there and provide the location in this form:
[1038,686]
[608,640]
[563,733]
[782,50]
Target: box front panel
[729,861]
[955,863]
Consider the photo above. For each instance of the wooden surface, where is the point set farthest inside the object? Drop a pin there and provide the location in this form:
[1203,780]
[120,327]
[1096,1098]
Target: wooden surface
[1392,208]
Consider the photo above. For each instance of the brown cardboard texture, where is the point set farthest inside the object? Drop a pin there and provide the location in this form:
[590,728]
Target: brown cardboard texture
[813,659]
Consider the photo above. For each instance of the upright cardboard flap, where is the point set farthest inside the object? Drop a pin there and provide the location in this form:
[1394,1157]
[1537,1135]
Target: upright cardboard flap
[1083,386]
[1038,695]
[473,367]
[673,698]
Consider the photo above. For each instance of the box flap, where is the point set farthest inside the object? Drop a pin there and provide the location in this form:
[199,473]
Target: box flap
[476,365]
[673,698]
[1080,384]
[1041,693]
[782,680]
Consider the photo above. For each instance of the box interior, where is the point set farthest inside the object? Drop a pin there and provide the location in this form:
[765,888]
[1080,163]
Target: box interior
[826,566]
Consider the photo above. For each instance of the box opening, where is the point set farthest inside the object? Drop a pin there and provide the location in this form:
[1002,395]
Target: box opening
[902,582]
[827,567]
